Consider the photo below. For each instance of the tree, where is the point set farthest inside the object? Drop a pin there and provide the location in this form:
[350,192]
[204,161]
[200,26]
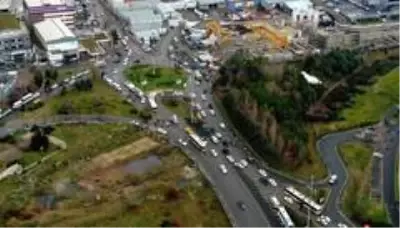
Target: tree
[47,85]
[63,91]
[38,79]
[47,74]
[39,141]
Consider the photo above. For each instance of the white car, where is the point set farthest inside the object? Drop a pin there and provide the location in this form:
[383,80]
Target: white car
[135,122]
[342,225]
[214,139]
[212,112]
[262,172]
[54,86]
[222,125]
[332,179]
[223,168]
[162,131]
[288,199]
[203,97]
[244,163]
[240,165]
[230,158]
[182,142]
[219,135]
[203,114]
[143,100]
[197,83]
[324,220]
[214,153]
[272,182]
[192,95]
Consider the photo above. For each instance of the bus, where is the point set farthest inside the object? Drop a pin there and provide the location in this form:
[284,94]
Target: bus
[195,139]
[300,197]
[284,217]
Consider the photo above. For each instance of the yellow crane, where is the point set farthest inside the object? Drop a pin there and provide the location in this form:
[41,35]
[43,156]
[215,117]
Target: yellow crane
[264,31]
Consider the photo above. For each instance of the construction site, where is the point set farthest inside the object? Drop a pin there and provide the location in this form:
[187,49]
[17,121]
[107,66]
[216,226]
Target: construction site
[268,31]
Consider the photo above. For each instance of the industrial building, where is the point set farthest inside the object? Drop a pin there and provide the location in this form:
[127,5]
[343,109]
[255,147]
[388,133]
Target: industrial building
[57,39]
[15,43]
[301,11]
[207,4]
[144,21]
[40,10]
[355,36]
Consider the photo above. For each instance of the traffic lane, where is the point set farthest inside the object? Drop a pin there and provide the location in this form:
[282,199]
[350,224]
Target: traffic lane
[389,173]
[231,188]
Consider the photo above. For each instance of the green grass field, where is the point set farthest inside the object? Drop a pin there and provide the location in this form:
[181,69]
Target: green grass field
[368,107]
[102,99]
[357,202]
[149,78]
[110,196]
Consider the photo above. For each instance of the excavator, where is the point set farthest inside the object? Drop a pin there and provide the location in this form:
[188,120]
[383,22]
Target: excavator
[214,27]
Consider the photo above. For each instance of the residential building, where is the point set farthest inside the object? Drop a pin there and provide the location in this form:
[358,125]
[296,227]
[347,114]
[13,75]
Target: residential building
[57,39]
[15,44]
[39,10]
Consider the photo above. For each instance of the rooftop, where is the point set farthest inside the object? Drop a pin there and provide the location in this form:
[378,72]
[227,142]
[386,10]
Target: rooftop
[5,4]
[299,4]
[53,30]
[41,3]
[8,21]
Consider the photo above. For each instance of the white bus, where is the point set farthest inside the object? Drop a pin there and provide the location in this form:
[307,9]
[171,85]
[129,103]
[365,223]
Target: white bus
[195,139]
[285,217]
[300,197]
[26,97]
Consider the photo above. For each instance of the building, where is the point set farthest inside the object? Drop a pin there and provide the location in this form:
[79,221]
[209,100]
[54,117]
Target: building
[56,38]
[15,43]
[143,18]
[301,11]
[39,10]
[207,4]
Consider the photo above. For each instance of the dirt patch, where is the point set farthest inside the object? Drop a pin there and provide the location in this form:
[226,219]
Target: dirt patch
[123,153]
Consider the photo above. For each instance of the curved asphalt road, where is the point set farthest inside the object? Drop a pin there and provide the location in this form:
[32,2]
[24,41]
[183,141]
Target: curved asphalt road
[328,146]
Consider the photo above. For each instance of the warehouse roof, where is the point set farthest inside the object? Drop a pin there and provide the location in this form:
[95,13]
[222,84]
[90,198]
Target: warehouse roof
[209,2]
[53,29]
[40,3]
[299,4]
[5,5]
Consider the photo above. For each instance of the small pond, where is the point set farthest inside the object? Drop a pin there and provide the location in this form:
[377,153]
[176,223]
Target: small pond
[143,165]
